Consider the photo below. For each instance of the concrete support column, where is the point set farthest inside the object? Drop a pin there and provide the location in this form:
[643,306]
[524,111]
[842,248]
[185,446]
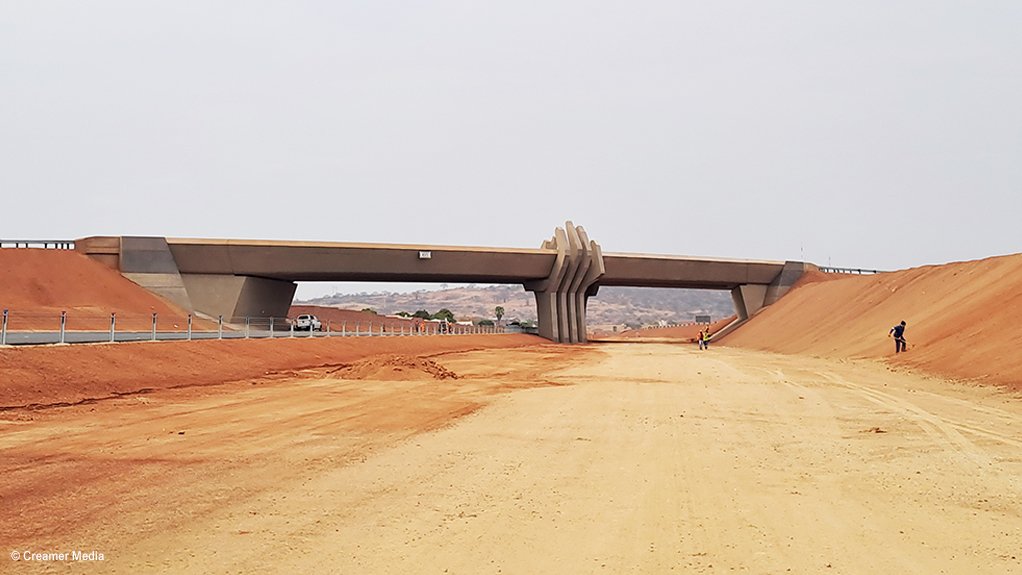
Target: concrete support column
[748,299]
[546,289]
[587,286]
[561,297]
[239,296]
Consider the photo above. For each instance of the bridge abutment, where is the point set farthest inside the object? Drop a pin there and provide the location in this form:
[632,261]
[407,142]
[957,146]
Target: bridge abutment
[238,297]
[150,262]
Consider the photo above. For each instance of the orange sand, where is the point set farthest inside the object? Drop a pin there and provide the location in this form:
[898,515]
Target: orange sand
[38,284]
[681,332]
[964,319]
[49,375]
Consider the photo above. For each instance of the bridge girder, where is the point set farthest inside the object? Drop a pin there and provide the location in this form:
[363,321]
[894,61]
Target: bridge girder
[256,278]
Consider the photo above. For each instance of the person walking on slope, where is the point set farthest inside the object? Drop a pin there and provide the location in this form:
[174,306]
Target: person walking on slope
[898,332]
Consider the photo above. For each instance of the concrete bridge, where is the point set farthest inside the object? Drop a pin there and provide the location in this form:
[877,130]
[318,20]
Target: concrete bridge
[255,278]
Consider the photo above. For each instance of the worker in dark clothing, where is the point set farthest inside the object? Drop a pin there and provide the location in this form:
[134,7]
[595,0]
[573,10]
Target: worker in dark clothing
[898,332]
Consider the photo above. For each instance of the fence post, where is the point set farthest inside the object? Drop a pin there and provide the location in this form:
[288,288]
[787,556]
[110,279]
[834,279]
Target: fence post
[370,329]
[3,330]
[358,328]
[189,327]
[63,323]
[328,328]
[271,327]
[113,326]
[292,324]
[220,327]
[154,327]
[344,329]
[248,323]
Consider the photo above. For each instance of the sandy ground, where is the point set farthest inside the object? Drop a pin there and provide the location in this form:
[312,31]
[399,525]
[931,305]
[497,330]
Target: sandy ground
[672,334]
[963,319]
[613,458]
[55,375]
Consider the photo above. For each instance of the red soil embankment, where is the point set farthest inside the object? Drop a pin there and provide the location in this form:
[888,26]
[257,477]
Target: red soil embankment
[680,332]
[38,284]
[964,319]
[50,375]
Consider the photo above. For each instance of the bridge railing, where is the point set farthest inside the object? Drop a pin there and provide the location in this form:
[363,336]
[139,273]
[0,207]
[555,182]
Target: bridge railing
[49,326]
[39,244]
[857,271]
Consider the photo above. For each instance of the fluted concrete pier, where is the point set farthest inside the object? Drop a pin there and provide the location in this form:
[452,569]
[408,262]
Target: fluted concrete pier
[561,297]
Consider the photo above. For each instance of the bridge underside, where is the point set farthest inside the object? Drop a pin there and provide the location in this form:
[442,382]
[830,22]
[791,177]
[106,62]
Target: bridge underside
[235,279]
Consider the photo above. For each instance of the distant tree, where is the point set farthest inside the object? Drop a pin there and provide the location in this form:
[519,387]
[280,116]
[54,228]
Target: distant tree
[421,314]
[369,310]
[488,322]
[444,314]
[499,312]
[403,314]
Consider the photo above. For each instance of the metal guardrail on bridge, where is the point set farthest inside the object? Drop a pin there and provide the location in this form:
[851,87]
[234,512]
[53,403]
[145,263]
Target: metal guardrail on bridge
[858,271]
[39,244]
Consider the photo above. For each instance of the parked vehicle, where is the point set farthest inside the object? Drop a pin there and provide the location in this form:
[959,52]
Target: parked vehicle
[306,322]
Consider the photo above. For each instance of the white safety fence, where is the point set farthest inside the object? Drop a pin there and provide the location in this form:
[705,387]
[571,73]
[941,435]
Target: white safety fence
[77,326]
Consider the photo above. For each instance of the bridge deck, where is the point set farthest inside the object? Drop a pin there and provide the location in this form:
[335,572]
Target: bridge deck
[336,261]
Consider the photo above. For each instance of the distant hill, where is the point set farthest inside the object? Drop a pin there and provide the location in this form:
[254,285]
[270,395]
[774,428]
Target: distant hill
[617,305]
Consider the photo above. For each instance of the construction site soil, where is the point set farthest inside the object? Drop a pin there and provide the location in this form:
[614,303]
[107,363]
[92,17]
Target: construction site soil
[608,458]
[680,333]
[507,454]
[61,375]
[964,319]
[39,284]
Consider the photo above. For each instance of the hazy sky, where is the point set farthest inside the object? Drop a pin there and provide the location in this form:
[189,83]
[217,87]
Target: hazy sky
[874,134]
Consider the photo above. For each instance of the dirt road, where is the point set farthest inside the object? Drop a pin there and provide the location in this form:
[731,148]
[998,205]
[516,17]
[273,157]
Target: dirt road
[617,458]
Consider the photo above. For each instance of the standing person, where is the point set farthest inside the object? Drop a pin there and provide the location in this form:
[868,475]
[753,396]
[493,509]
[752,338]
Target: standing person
[898,332]
[701,340]
[706,339]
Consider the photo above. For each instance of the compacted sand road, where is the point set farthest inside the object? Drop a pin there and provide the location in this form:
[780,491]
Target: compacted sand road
[618,458]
